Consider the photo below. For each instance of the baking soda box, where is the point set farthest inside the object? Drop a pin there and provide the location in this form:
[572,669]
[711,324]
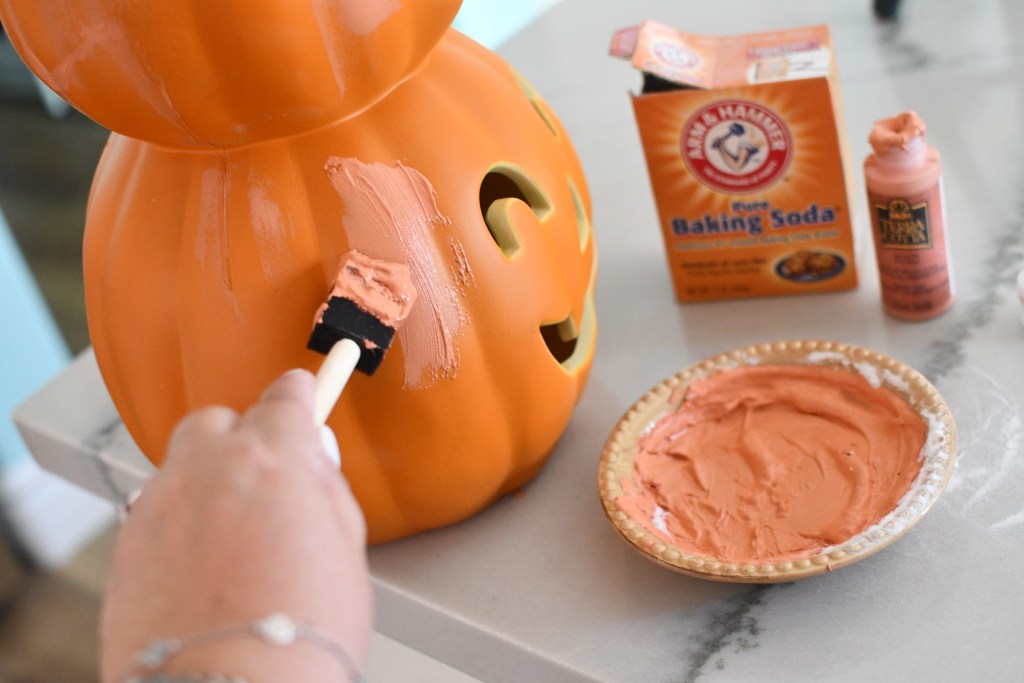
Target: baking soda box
[744,145]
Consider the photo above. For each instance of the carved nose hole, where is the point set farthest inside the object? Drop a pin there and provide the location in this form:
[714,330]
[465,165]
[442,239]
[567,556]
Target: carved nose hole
[544,116]
[536,101]
[561,338]
[500,189]
[582,222]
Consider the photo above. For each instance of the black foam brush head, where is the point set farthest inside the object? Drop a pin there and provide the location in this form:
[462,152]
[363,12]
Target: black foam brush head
[344,319]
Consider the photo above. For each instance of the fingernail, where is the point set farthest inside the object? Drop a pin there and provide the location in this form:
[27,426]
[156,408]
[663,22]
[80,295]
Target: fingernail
[330,444]
[126,507]
[300,377]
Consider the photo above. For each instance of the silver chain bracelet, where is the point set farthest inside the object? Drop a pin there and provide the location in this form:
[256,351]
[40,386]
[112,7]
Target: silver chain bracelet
[188,678]
[277,629]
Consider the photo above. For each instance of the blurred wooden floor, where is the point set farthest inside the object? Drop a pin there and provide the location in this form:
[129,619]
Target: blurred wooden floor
[48,627]
[46,169]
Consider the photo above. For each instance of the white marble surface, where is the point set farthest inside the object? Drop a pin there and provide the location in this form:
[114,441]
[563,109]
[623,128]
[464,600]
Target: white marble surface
[539,587]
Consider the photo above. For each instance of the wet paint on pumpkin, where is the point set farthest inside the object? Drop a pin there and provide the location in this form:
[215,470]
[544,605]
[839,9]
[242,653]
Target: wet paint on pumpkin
[391,214]
[461,271]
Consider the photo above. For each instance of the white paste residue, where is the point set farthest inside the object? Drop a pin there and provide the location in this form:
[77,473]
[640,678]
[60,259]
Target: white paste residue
[660,515]
[990,443]
[211,239]
[1020,294]
[363,18]
[359,18]
[271,231]
[874,375]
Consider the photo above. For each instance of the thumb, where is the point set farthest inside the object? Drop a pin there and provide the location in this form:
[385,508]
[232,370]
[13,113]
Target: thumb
[293,386]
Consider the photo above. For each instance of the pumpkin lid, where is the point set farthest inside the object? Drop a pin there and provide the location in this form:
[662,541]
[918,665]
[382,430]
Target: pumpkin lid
[221,74]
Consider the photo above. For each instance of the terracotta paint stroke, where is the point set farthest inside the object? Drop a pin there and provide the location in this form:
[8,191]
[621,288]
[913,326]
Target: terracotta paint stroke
[391,214]
[775,463]
[461,272]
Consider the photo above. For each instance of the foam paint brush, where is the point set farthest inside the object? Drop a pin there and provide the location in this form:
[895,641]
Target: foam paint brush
[370,299]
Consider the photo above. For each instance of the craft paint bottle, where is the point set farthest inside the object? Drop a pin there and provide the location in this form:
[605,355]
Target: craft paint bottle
[903,176]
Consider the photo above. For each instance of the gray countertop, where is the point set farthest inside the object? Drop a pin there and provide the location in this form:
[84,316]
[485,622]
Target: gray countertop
[539,587]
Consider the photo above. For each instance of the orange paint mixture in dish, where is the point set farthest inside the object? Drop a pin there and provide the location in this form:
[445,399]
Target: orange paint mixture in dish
[774,463]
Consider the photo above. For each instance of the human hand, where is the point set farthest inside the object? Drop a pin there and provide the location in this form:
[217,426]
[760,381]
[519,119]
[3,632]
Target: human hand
[246,517]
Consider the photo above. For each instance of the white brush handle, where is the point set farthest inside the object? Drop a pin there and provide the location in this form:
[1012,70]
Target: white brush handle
[333,375]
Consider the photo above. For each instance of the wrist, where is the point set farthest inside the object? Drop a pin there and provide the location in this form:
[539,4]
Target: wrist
[273,648]
[255,662]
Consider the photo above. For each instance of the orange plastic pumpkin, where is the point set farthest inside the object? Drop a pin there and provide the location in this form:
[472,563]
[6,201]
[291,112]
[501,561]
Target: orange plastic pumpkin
[218,217]
[227,73]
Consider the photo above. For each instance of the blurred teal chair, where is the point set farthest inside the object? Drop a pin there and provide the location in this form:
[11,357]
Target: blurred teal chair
[49,518]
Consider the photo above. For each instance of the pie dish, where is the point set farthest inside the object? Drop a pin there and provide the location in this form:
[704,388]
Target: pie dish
[618,478]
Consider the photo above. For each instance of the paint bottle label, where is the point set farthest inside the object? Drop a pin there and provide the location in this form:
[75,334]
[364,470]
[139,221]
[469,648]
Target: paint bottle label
[910,243]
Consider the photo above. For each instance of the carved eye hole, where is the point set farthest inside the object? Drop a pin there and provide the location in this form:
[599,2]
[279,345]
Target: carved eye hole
[582,222]
[504,185]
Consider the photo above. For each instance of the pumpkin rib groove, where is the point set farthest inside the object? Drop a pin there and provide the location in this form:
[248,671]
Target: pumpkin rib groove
[165,98]
[156,96]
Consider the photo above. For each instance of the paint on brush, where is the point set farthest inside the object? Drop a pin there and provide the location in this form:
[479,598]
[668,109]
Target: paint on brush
[391,212]
[368,302]
[382,289]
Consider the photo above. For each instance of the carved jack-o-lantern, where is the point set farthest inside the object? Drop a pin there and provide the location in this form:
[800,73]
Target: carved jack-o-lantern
[258,141]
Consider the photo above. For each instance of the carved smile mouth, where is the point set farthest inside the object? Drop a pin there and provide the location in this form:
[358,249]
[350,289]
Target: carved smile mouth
[571,342]
[561,338]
